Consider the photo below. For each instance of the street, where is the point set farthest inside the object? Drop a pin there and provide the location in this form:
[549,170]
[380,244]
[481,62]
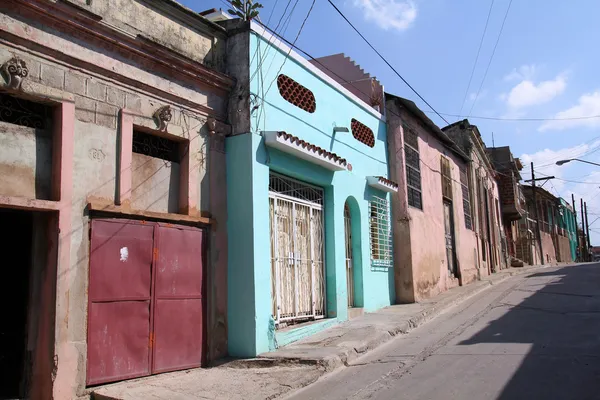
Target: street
[534,336]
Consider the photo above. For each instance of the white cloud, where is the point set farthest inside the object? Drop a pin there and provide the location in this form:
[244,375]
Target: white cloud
[545,161]
[389,14]
[527,93]
[587,105]
[524,72]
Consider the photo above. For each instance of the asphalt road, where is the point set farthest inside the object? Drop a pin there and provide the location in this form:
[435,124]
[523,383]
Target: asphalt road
[533,336]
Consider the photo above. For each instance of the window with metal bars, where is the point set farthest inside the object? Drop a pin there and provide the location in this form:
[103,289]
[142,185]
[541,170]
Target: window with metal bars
[413,168]
[464,183]
[446,177]
[156,146]
[381,232]
[17,111]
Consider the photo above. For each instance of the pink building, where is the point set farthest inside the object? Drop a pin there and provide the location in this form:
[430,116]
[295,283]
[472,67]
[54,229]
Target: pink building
[435,240]
[112,117]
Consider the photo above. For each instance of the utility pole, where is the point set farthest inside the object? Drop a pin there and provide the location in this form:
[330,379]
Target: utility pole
[537,218]
[587,228]
[583,239]
[575,214]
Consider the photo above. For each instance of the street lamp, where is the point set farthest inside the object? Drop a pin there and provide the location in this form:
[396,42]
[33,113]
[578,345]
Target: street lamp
[561,162]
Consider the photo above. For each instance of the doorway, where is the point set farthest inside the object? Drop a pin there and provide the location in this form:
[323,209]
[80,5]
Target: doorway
[16,249]
[449,231]
[349,262]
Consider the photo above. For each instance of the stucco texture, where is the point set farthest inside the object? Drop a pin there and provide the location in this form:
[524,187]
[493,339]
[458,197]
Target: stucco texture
[249,158]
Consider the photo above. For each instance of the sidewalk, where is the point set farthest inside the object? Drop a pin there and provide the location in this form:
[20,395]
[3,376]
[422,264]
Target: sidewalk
[301,363]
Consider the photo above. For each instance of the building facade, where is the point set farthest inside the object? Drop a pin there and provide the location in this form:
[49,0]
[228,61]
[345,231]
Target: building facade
[434,238]
[308,197]
[111,159]
[486,203]
[512,204]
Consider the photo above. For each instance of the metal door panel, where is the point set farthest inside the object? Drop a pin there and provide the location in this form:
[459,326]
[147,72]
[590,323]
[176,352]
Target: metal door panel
[120,260]
[179,263]
[178,334]
[118,337]
[178,312]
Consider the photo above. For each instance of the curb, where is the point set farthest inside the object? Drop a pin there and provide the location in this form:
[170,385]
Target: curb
[346,355]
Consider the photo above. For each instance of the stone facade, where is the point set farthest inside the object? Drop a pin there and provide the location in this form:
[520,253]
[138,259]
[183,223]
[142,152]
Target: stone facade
[105,69]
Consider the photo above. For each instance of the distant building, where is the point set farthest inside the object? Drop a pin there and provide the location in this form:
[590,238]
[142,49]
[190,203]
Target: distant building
[486,209]
[511,195]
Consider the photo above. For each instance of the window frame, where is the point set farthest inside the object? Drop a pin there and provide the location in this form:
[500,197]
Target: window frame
[466,193]
[411,189]
[380,232]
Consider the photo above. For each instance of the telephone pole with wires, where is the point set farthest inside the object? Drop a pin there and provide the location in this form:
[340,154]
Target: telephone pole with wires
[533,180]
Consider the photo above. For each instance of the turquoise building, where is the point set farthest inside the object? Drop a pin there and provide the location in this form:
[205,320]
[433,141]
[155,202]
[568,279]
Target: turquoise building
[566,221]
[308,198]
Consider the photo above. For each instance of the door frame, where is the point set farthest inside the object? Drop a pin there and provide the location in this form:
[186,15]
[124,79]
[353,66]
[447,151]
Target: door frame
[450,205]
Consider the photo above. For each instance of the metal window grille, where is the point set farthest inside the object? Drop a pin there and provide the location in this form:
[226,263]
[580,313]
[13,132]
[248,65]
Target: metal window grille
[296,189]
[381,232]
[362,133]
[464,182]
[14,110]
[413,168]
[155,146]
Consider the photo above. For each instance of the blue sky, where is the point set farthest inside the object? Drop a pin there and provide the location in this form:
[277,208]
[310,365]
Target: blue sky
[546,65]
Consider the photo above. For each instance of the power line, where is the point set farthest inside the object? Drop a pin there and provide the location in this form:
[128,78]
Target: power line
[477,57]
[386,61]
[491,58]
[517,119]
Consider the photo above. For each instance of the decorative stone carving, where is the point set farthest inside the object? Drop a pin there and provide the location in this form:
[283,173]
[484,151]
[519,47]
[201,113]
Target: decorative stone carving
[15,71]
[216,127]
[163,116]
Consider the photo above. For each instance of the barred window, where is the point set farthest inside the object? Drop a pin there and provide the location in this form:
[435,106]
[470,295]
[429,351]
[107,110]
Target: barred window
[156,146]
[446,178]
[381,232]
[413,168]
[464,182]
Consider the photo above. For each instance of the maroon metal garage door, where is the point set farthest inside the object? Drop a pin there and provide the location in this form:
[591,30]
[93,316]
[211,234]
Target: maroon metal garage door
[145,311]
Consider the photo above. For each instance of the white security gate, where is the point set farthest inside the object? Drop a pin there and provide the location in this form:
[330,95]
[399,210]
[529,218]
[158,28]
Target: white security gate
[348,242]
[297,267]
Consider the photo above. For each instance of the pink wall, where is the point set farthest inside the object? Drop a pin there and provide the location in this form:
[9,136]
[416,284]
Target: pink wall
[419,235]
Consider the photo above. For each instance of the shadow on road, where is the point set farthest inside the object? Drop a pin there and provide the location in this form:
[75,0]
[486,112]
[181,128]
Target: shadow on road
[558,314]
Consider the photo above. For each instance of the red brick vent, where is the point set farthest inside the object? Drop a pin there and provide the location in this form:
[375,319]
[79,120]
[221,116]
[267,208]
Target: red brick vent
[362,133]
[296,94]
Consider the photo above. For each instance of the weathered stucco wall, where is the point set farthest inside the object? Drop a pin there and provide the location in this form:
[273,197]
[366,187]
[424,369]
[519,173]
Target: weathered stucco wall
[419,235]
[104,81]
[548,248]
[25,162]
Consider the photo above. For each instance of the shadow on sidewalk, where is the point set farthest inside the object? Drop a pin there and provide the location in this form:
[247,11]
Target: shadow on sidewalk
[558,315]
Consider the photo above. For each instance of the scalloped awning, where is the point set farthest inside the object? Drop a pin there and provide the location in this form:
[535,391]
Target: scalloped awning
[381,183]
[293,145]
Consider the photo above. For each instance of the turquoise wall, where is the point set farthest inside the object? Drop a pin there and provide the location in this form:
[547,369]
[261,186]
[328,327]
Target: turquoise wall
[567,221]
[249,162]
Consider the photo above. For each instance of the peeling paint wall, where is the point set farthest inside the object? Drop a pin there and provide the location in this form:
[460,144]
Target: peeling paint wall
[66,65]
[419,235]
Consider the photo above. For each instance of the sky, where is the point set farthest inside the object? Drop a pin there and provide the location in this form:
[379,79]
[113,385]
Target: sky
[545,66]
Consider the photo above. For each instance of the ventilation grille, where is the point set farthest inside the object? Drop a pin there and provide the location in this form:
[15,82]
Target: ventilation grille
[362,133]
[296,94]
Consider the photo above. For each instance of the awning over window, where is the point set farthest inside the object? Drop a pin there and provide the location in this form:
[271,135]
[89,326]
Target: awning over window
[381,183]
[293,145]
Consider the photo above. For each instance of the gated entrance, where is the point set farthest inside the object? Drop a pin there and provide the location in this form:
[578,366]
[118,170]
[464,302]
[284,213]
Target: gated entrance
[297,267]
[145,302]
